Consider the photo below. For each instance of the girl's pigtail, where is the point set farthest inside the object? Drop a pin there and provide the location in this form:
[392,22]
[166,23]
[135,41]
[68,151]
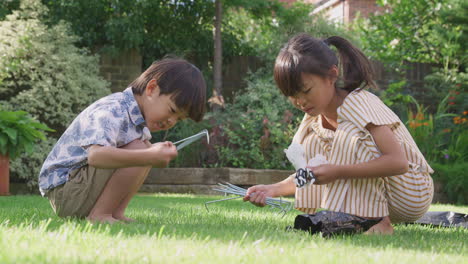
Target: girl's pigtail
[355,66]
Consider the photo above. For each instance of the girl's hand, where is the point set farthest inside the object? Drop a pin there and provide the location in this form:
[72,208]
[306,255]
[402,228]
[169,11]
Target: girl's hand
[257,194]
[325,173]
[162,153]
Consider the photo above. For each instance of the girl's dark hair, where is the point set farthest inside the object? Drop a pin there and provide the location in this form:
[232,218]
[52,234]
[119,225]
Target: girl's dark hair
[306,54]
[179,78]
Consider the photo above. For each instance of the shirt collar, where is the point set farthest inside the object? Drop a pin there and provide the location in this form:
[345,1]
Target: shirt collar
[323,133]
[132,107]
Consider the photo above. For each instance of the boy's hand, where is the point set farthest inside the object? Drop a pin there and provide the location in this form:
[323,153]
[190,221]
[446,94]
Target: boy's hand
[162,153]
[325,173]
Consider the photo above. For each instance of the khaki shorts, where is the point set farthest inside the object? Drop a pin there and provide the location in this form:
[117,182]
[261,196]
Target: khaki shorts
[78,195]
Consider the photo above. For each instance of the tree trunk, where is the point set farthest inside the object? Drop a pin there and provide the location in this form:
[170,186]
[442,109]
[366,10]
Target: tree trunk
[217,101]
[4,175]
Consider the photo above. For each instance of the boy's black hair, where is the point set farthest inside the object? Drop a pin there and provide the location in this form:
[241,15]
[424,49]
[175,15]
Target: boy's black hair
[179,78]
[306,54]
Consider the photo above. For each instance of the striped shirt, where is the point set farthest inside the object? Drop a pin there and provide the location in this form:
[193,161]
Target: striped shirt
[404,197]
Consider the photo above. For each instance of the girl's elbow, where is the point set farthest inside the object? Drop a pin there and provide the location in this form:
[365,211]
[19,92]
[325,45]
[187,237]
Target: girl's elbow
[403,166]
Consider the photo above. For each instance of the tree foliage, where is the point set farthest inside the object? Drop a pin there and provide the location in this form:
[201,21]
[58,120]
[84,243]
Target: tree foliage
[7,6]
[427,31]
[156,28]
[43,73]
[182,27]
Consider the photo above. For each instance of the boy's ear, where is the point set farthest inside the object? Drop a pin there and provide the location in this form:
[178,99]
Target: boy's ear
[152,87]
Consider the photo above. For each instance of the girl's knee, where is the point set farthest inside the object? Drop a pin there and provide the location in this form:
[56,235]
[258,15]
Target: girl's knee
[398,216]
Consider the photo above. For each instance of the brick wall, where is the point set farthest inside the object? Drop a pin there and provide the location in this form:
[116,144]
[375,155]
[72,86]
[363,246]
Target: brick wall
[345,11]
[305,1]
[364,7]
[122,69]
[337,12]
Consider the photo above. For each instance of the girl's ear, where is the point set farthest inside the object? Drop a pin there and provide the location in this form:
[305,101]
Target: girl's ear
[333,73]
[152,87]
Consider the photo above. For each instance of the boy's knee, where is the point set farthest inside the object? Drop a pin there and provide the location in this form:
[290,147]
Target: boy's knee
[138,144]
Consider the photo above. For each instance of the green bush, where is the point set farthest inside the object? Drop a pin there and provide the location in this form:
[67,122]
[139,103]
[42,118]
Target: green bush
[6,7]
[26,167]
[453,177]
[257,126]
[440,83]
[44,74]
[19,133]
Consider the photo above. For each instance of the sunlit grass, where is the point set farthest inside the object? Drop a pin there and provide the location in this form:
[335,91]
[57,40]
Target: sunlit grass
[177,228]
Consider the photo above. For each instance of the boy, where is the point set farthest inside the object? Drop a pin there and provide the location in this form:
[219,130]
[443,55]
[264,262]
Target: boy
[104,156]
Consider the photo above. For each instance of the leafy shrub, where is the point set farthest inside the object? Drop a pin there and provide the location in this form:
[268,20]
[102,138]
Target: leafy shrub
[257,126]
[440,83]
[26,167]
[429,130]
[440,129]
[454,179]
[395,97]
[19,132]
[44,74]
[7,6]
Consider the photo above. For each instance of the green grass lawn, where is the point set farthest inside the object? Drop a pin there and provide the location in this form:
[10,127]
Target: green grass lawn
[178,229]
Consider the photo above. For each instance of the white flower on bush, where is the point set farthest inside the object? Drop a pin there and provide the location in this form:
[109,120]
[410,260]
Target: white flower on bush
[394,42]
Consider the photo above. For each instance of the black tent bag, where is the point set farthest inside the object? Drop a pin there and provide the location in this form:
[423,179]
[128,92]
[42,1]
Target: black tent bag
[333,223]
[443,219]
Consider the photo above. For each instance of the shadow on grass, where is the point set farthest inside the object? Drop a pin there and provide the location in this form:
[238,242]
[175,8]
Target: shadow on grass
[185,217]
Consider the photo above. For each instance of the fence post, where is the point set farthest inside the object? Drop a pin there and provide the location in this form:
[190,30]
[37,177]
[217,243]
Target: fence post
[4,175]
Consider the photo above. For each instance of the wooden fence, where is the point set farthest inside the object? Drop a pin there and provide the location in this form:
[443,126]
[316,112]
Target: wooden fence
[123,69]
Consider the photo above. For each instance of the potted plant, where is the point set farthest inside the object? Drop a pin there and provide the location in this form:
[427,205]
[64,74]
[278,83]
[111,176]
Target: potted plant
[18,133]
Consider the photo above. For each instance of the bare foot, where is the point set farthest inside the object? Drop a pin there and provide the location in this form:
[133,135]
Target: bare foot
[102,219]
[384,227]
[124,218]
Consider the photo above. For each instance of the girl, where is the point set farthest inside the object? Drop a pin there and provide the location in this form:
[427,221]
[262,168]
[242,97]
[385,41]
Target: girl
[375,168]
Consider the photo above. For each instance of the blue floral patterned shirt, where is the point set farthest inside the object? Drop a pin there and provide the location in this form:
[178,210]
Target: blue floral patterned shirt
[114,120]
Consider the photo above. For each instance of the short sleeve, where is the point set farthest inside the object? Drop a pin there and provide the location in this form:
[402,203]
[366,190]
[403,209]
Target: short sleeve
[102,126]
[363,108]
